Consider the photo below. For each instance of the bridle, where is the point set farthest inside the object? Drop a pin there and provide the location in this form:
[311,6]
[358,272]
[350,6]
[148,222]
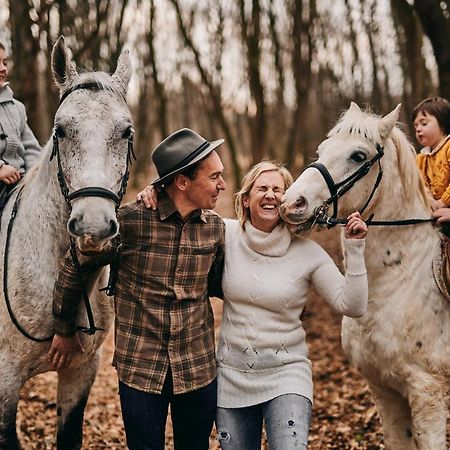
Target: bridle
[90,191]
[337,190]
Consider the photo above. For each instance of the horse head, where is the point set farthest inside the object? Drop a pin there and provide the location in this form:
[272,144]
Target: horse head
[358,151]
[92,145]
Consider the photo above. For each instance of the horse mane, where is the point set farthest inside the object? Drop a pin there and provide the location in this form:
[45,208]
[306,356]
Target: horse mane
[366,125]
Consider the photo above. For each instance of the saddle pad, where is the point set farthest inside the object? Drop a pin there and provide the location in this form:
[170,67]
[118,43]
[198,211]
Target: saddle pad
[441,267]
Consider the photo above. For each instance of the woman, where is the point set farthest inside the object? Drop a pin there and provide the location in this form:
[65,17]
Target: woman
[263,371]
[19,149]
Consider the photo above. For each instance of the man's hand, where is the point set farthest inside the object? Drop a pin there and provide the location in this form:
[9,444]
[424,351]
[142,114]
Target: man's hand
[9,174]
[149,196]
[63,350]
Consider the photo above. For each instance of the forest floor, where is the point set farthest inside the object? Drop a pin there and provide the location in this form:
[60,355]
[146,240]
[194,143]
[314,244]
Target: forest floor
[344,416]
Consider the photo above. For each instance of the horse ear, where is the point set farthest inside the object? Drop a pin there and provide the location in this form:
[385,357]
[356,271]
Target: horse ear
[63,68]
[122,74]
[354,107]
[388,122]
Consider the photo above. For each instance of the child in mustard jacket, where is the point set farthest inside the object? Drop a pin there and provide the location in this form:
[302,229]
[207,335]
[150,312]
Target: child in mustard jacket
[431,119]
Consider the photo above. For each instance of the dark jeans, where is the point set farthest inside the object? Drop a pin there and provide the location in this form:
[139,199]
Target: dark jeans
[144,416]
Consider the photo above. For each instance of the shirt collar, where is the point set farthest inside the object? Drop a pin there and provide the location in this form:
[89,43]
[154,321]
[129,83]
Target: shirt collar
[167,208]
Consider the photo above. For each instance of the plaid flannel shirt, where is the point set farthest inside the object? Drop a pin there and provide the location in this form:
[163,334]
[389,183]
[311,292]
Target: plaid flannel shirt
[168,269]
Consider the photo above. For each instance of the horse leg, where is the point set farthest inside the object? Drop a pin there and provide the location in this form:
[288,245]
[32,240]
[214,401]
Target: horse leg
[429,415]
[9,399]
[74,385]
[395,415]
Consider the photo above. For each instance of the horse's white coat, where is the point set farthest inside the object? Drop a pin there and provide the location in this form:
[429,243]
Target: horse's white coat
[93,153]
[402,344]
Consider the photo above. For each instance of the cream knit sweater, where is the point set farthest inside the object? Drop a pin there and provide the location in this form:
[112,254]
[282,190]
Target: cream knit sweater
[262,350]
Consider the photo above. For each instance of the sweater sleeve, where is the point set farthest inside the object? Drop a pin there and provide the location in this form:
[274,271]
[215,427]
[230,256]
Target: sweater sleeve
[445,197]
[347,295]
[29,141]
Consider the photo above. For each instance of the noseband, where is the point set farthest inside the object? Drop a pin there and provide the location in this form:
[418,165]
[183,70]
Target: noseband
[91,191]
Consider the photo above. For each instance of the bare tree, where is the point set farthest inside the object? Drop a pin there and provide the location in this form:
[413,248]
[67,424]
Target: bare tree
[214,91]
[435,20]
[303,13]
[251,37]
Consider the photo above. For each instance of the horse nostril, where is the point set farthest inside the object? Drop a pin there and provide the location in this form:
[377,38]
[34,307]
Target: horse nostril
[113,227]
[301,203]
[72,227]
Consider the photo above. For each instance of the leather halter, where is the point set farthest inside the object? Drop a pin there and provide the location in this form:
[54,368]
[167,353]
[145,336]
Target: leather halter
[90,191]
[337,190]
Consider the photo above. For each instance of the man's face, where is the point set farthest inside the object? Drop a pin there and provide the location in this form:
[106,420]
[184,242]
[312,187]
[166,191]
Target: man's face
[203,191]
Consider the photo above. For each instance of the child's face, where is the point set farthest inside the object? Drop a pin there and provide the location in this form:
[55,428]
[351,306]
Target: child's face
[428,131]
[3,67]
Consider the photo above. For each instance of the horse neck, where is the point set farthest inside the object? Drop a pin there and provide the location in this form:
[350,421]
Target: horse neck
[392,249]
[42,212]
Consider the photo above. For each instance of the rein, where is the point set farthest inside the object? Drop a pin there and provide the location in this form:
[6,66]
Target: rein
[90,191]
[337,190]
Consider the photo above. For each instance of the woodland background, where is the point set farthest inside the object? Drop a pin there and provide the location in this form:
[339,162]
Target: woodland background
[269,76]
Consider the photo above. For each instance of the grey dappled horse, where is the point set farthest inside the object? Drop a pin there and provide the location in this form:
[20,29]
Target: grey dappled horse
[92,135]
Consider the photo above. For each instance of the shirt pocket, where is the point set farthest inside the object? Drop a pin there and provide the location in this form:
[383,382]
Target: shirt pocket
[200,261]
[204,250]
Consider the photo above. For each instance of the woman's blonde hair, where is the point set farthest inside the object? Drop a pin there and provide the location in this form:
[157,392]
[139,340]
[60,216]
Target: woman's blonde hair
[243,214]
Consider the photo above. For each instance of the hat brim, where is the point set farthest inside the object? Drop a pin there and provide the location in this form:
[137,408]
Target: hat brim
[213,145]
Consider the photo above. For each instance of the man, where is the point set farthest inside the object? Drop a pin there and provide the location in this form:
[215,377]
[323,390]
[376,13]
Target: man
[171,262]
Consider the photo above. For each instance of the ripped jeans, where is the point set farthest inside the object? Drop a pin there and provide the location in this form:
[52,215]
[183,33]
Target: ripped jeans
[287,419]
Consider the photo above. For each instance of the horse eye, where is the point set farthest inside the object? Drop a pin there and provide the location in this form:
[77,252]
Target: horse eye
[128,132]
[358,156]
[59,131]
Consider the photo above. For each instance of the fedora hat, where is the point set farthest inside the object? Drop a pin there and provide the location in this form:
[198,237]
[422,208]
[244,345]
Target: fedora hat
[179,151]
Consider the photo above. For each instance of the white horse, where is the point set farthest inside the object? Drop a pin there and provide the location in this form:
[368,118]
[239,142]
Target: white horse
[90,147]
[402,344]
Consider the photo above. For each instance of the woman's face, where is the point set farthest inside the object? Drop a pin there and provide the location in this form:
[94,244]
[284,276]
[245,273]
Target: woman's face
[3,67]
[428,131]
[264,199]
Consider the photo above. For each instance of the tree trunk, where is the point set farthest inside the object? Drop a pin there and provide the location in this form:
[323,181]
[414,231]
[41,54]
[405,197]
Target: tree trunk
[436,24]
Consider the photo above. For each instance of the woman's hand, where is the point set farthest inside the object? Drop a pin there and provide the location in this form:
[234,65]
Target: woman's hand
[355,228]
[149,195]
[9,174]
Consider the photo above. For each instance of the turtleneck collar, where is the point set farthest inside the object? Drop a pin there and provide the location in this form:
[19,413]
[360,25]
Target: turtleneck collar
[275,243]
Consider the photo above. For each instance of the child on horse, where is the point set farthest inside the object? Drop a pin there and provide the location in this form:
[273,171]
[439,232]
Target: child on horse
[431,119]
[19,149]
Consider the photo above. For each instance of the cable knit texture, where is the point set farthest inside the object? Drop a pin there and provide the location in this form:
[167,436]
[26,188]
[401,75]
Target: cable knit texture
[262,350]
[434,166]
[18,146]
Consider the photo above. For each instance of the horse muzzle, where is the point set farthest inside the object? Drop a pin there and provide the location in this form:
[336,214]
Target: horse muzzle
[296,212]
[90,246]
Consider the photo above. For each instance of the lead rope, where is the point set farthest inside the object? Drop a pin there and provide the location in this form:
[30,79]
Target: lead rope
[5,275]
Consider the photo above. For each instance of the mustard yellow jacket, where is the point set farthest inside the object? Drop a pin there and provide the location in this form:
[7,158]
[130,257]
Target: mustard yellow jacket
[434,167]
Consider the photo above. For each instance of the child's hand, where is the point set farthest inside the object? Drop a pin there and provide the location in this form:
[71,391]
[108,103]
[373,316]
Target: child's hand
[9,174]
[356,228]
[149,195]
[436,204]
